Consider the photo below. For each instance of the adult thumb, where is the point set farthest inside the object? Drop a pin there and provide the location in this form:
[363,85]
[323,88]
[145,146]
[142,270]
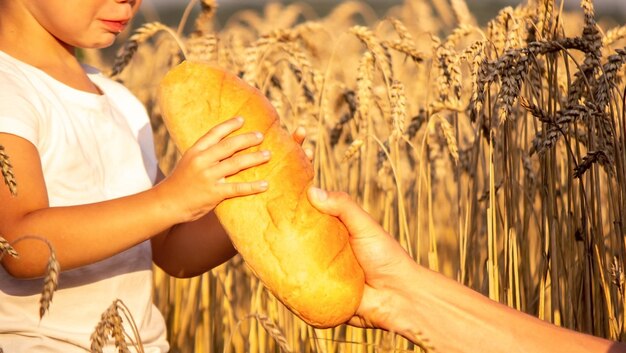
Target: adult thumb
[339,204]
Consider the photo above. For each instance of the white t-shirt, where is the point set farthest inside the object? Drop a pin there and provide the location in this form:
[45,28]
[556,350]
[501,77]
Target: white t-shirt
[92,148]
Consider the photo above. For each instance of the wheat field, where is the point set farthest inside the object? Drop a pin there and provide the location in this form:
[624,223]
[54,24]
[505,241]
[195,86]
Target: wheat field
[494,153]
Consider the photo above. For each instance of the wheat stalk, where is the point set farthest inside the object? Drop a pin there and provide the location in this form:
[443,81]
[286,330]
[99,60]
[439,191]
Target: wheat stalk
[462,13]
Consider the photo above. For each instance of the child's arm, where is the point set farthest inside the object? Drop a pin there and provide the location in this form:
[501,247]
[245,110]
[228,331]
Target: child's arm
[433,310]
[192,248]
[89,233]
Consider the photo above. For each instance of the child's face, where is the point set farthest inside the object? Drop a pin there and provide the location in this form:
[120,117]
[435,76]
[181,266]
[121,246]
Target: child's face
[83,23]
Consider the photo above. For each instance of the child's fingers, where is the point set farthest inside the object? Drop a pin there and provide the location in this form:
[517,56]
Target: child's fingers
[233,144]
[233,165]
[299,135]
[218,133]
[229,190]
[308,151]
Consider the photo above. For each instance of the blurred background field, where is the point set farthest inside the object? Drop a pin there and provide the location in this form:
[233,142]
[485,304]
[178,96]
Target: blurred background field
[488,139]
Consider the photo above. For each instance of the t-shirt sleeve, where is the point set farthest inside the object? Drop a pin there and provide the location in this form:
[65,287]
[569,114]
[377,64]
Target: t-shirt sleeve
[18,115]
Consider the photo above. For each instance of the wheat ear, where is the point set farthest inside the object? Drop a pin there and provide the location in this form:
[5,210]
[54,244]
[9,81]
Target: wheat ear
[7,171]
[51,276]
[141,35]
[273,331]
[6,248]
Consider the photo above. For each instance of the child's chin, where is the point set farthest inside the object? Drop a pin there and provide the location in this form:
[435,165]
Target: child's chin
[98,44]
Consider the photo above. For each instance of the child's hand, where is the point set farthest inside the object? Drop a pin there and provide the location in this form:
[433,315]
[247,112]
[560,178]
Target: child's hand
[198,184]
[299,135]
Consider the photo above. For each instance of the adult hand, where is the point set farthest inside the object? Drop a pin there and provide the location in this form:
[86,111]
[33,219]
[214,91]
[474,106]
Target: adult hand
[385,263]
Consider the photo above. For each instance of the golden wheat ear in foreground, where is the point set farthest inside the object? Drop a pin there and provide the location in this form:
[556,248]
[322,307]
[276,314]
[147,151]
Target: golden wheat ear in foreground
[300,254]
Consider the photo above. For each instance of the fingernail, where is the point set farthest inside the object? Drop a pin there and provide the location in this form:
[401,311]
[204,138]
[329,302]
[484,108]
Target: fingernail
[318,194]
[259,136]
[239,119]
[264,185]
[266,154]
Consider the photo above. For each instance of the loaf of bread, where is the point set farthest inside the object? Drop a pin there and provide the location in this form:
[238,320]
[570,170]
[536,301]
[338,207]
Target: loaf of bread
[301,255]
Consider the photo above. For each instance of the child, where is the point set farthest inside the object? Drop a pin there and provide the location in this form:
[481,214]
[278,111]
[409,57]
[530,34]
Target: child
[88,182]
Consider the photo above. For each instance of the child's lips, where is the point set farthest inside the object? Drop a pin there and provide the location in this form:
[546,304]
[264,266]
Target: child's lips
[115,26]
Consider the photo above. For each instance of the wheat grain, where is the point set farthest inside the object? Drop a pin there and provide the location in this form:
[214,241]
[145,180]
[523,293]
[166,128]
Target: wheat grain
[274,331]
[496,30]
[616,271]
[204,22]
[406,48]
[614,35]
[416,123]
[606,81]
[378,50]
[398,108]
[546,14]
[6,248]
[104,328]
[449,81]
[7,171]
[51,280]
[364,84]
[353,149]
[459,33]
[591,158]
[110,329]
[202,48]
[591,34]
[448,134]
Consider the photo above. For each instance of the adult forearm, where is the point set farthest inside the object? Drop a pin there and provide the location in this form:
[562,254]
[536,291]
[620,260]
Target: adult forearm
[449,317]
[85,234]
